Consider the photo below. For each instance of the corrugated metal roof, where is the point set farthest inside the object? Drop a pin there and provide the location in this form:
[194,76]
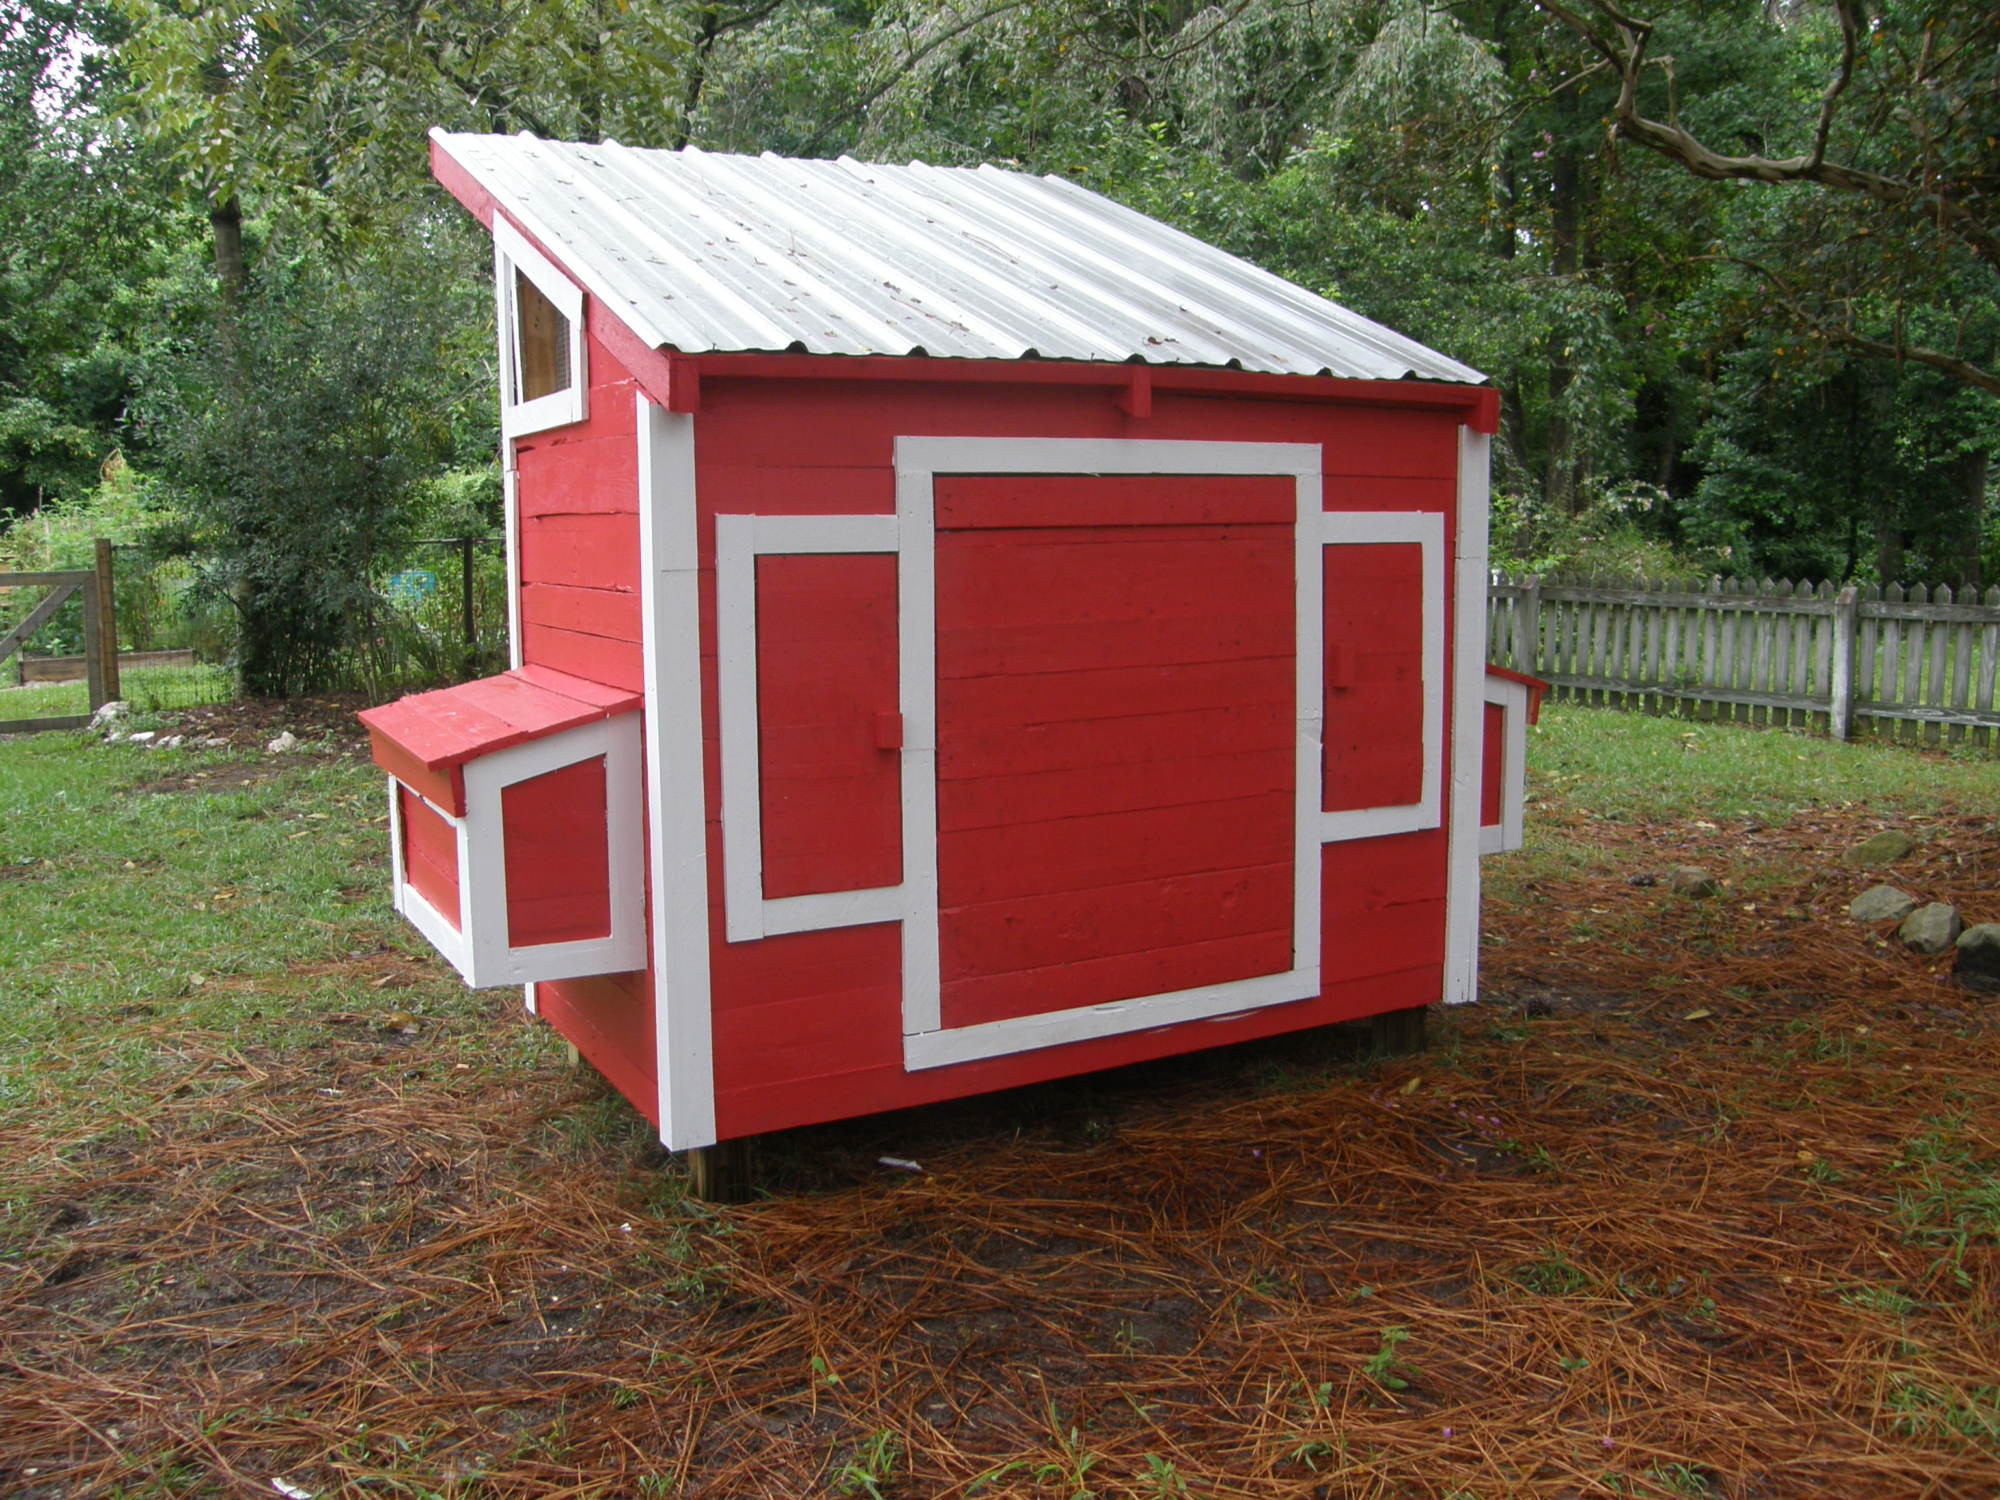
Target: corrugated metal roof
[699,252]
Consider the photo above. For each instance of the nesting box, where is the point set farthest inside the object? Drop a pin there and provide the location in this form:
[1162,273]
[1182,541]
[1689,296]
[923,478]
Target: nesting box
[965,633]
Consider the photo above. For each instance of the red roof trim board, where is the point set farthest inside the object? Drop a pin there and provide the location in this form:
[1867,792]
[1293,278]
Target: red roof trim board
[424,739]
[1537,689]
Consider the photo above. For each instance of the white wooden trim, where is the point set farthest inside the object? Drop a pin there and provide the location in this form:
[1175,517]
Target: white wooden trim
[676,794]
[512,252]
[1511,698]
[510,506]
[1089,456]
[1424,530]
[435,928]
[916,637]
[395,844]
[1468,672]
[479,945]
[739,541]
[926,1043]
[937,1049]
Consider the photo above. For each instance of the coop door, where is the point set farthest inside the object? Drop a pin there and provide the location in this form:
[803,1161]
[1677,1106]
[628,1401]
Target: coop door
[1118,827]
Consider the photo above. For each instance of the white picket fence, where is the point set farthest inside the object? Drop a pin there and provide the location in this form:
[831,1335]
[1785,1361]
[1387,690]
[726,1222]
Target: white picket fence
[1912,663]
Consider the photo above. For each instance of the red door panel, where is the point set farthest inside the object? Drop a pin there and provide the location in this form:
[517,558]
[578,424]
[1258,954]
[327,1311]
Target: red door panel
[826,674]
[1374,612]
[1116,736]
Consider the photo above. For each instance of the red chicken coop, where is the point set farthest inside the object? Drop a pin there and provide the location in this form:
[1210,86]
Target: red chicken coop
[965,632]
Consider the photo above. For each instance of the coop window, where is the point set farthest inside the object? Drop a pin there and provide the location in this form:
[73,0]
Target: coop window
[541,338]
[544,342]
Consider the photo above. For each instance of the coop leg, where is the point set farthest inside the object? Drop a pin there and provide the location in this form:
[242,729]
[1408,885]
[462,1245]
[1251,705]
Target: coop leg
[1396,1033]
[720,1173]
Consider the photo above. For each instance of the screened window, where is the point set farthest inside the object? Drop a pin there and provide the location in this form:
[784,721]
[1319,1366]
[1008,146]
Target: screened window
[543,379]
[544,342]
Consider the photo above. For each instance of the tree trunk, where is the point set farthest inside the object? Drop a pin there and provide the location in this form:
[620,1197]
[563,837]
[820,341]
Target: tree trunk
[225,222]
[1970,473]
[1559,486]
[1889,545]
[704,43]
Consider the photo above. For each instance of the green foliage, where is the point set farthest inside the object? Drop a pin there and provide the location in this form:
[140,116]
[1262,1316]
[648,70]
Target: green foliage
[1385,1366]
[1687,374]
[871,1469]
[294,445]
[1824,468]
[84,237]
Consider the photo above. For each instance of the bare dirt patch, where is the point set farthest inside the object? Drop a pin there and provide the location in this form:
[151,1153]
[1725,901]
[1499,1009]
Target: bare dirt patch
[252,723]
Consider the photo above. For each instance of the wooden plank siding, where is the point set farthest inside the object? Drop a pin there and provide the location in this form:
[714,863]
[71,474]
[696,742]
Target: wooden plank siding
[1913,664]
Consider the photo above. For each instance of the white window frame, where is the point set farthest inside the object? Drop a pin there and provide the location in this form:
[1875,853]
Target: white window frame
[1511,698]
[1425,531]
[512,253]
[739,541]
[479,945]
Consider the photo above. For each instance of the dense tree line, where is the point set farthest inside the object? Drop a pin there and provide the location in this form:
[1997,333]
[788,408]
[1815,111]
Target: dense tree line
[1735,264]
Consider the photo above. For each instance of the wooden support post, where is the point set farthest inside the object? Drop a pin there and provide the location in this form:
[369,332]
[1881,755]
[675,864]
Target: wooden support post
[1397,1033]
[720,1173]
[107,619]
[93,643]
[1840,707]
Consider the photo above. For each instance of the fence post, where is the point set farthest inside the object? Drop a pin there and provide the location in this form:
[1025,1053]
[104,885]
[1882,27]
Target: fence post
[1528,624]
[107,621]
[1840,704]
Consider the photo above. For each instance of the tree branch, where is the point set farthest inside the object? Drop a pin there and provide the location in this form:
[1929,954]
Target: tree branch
[1936,359]
[1626,52]
[1845,334]
[1850,27]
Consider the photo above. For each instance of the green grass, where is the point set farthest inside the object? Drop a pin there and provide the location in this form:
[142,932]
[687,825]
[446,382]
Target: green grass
[1643,767]
[147,689]
[139,905]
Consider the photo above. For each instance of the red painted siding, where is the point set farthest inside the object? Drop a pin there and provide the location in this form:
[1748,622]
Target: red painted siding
[430,854]
[807,1026]
[577,491]
[557,856]
[826,672]
[577,499]
[610,1021]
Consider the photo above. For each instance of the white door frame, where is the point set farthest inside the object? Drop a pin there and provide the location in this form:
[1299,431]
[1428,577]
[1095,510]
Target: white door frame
[927,1042]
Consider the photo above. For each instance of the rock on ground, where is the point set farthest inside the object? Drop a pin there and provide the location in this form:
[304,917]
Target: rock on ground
[1691,880]
[1978,963]
[1931,929]
[1886,847]
[1881,903]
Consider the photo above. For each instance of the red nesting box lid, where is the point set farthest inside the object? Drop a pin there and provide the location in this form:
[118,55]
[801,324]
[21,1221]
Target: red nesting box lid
[423,740]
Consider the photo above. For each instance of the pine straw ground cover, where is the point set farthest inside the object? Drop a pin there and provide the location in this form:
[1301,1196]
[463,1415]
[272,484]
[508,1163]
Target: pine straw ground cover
[1702,1199]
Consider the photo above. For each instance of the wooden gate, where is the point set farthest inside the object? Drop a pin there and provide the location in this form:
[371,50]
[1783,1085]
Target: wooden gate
[100,634]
